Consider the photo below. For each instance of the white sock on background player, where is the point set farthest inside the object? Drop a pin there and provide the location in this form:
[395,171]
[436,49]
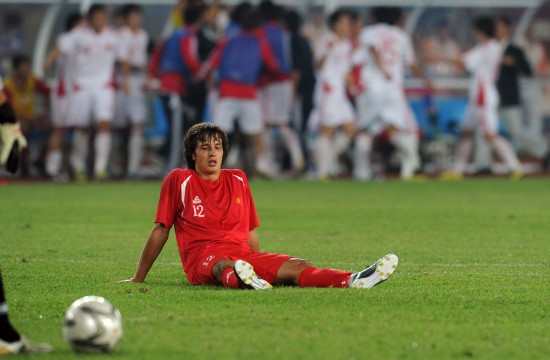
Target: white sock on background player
[135,152]
[463,153]
[341,143]
[53,162]
[79,154]
[292,143]
[407,144]
[506,152]
[361,157]
[102,151]
[323,155]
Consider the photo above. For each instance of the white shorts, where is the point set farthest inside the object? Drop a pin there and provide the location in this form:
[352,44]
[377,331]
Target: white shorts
[276,100]
[332,108]
[91,104]
[59,108]
[484,118]
[384,106]
[247,112]
[132,107]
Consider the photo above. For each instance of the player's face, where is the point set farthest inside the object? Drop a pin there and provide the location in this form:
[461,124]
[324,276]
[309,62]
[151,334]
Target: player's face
[342,28]
[208,157]
[501,30]
[99,20]
[135,20]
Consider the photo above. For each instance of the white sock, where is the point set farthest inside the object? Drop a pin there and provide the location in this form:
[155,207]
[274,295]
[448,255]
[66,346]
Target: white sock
[463,154]
[102,151]
[269,151]
[361,157]
[324,154]
[408,148]
[53,162]
[293,145]
[135,152]
[506,153]
[341,143]
[79,154]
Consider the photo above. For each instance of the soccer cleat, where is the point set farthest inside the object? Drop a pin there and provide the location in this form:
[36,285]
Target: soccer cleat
[23,346]
[516,175]
[450,176]
[248,278]
[374,274]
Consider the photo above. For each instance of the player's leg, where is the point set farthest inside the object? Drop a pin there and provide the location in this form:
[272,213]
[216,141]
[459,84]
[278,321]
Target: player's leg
[252,125]
[137,112]
[489,121]
[324,152]
[104,112]
[366,117]
[54,158]
[235,274]
[302,273]
[79,117]
[11,342]
[7,331]
[281,100]
[465,145]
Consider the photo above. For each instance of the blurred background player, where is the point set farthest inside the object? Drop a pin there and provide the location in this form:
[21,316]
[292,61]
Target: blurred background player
[131,104]
[483,62]
[333,110]
[238,60]
[382,105]
[276,90]
[60,99]
[303,76]
[93,50]
[514,66]
[176,63]
[23,90]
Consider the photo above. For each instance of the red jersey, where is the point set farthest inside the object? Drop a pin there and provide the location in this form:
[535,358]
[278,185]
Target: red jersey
[206,214]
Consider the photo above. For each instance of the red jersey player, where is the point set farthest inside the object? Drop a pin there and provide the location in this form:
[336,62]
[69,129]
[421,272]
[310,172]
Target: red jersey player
[214,216]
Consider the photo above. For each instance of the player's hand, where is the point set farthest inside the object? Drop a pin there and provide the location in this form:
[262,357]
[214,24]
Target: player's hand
[11,133]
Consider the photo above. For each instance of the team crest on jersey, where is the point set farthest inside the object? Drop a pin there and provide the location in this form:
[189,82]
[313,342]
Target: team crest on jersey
[197,200]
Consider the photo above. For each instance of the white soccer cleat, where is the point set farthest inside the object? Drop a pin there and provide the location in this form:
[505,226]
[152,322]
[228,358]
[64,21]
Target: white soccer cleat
[248,278]
[23,346]
[374,274]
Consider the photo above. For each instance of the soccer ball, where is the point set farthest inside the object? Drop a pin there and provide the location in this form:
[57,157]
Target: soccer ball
[92,325]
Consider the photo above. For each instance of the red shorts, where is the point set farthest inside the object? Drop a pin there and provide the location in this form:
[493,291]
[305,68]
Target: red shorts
[265,265]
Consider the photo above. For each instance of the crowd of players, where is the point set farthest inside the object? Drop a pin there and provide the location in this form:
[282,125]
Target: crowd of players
[262,81]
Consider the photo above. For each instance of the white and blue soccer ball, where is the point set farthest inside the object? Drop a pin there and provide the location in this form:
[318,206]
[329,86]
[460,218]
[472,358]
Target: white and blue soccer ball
[92,325]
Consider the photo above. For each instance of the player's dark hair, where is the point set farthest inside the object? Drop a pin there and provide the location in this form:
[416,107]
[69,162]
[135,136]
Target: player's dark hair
[19,59]
[129,9]
[485,25]
[95,8]
[336,16]
[387,14]
[193,14]
[505,20]
[293,21]
[239,12]
[203,132]
[72,20]
[251,19]
[270,11]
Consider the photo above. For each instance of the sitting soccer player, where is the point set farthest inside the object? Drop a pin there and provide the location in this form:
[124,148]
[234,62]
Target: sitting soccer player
[215,219]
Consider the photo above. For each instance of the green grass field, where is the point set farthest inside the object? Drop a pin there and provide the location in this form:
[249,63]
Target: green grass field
[473,279]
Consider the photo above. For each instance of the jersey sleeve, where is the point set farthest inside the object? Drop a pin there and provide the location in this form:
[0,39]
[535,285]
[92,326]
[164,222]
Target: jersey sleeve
[170,194]
[409,57]
[67,41]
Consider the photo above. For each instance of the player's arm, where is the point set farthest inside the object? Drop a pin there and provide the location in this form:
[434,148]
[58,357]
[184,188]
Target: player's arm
[253,241]
[153,247]
[52,56]
[378,60]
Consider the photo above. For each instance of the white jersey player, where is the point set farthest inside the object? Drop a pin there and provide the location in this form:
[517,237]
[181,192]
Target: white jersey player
[60,98]
[93,51]
[131,105]
[386,51]
[483,63]
[332,107]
